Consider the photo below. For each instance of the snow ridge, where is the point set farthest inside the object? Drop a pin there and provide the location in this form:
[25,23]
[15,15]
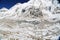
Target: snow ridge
[34,20]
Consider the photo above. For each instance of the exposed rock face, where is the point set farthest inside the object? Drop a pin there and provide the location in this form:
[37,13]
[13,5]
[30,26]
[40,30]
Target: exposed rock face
[34,20]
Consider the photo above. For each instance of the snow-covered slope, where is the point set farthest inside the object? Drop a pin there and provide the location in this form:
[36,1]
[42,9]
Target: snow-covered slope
[34,20]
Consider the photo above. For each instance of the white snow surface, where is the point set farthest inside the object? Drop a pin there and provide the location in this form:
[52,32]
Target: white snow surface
[34,20]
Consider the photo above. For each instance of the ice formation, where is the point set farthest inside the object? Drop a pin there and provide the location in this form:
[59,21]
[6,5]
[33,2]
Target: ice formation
[34,20]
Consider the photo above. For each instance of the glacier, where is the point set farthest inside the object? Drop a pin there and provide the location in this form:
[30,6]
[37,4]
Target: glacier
[33,20]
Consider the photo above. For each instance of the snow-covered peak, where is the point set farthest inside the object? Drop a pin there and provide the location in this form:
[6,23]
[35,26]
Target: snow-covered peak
[34,20]
[3,9]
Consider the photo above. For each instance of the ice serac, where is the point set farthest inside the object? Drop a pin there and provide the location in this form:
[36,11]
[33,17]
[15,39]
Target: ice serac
[34,20]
